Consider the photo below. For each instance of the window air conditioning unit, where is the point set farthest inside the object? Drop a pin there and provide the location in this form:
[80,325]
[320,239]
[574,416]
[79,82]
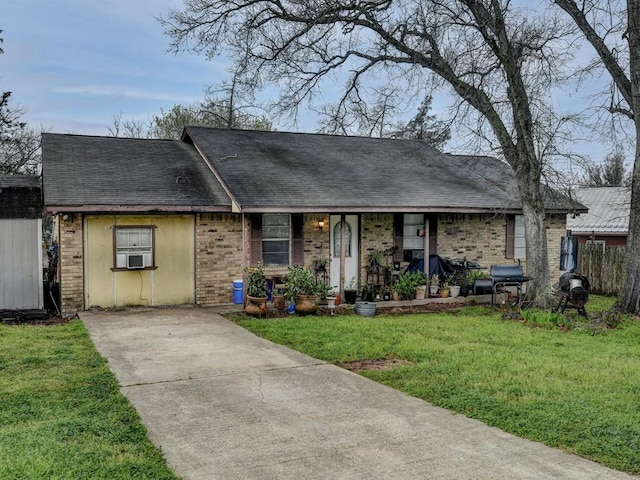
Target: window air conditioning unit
[135,260]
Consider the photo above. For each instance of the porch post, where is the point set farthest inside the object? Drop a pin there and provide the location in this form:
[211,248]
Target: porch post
[425,263]
[343,252]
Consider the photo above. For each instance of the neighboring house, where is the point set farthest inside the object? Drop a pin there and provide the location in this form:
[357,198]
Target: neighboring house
[157,222]
[20,242]
[607,222]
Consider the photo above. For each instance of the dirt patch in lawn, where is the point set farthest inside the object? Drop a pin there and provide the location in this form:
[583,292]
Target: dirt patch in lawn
[384,364]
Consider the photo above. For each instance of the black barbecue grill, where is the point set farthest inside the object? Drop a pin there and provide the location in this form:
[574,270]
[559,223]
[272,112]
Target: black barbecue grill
[503,276]
[573,292]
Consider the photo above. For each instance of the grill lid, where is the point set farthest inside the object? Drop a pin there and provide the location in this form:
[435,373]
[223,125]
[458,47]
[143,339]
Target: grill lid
[508,273]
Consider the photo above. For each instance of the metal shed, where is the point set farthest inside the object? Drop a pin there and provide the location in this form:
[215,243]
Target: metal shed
[20,242]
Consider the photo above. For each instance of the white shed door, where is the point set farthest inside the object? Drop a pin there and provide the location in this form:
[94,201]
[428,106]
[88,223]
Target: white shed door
[20,264]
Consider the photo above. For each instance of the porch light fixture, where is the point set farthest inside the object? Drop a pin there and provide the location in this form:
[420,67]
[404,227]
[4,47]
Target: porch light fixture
[321,224]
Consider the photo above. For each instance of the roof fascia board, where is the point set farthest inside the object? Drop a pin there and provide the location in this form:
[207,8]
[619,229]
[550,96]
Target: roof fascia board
[53,209]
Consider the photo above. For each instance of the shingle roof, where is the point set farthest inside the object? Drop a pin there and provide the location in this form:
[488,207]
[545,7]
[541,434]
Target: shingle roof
[20,196]
[608,210]
[96,173]
[282,170]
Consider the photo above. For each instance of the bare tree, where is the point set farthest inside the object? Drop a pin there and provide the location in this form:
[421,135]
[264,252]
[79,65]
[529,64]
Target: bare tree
[500,61]
[128,128]
[606,26]
[378,119]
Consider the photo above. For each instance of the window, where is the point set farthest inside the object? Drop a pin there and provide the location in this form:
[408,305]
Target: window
[336,240]
[516,246]
[134,247]
[413,222]
[519,242]
[276,232]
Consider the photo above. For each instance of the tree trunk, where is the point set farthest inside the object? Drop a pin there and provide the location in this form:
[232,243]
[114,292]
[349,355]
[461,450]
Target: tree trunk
[539,287]
[629,300]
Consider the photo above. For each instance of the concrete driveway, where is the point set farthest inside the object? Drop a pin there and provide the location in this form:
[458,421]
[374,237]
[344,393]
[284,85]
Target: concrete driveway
[222,403]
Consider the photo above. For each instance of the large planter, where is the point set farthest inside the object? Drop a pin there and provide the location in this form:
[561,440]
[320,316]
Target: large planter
[454,290]
[350,296]
[366,309]
[306,304]
[256,306]
[421,292]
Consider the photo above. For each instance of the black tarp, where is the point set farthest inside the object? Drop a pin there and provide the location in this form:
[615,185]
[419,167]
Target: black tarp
[437,265]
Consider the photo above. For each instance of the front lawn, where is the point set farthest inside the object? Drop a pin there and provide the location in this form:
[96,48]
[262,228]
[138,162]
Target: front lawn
[575,390]
[61,412]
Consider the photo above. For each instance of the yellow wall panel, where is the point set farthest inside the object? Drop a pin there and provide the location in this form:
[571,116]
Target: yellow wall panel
[172,282]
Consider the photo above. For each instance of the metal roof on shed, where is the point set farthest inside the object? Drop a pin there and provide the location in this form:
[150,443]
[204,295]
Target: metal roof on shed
[609,209]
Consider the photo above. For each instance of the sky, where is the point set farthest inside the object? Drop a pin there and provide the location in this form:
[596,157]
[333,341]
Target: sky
[73,65]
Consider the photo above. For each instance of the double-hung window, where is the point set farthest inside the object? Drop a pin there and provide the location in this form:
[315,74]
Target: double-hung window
[134,247]
[276,235]
[516,246]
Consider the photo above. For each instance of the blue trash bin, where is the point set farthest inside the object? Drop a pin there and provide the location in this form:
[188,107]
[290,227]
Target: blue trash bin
[238,292]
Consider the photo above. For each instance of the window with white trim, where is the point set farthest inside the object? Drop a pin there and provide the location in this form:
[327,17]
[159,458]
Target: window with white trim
[134,247]
[276,235]
[519,240]
[413,223]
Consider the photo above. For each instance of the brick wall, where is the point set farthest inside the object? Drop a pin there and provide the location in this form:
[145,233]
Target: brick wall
[218,256]
[376,233]
[70,240]
[556,228]
[479,238]
[316,241]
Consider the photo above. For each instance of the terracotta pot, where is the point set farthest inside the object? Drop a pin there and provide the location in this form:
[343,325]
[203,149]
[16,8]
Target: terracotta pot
[396,296]
[306,304]
[278,302]
[256,306]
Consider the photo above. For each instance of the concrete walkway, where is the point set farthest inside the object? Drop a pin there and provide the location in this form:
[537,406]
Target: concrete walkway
[222,403]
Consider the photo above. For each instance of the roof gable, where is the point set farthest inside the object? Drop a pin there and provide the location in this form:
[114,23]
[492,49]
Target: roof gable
[302,171]
[95,173]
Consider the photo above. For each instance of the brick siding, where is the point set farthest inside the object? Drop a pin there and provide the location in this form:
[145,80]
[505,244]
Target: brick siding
[219,241]
[71,262]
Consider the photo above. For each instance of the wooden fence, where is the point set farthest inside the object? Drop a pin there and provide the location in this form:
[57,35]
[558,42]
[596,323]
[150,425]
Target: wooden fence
[604,269]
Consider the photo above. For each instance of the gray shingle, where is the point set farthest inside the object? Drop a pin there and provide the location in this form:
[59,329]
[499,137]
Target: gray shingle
[281,170]
[107,171]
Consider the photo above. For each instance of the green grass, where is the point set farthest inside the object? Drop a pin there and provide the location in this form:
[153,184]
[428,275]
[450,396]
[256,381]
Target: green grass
[61,412]
[572,390]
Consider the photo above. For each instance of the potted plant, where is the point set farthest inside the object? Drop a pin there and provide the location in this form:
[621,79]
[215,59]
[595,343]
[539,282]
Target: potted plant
[368,293]
[406,285]
[351,291]
[375,258]
[257,289]
[445,289]
[320,264]
[386,293]
[434,285]
[302,289]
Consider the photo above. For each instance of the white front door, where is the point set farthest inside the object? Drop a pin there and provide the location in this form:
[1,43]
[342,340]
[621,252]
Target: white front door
[351,244]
